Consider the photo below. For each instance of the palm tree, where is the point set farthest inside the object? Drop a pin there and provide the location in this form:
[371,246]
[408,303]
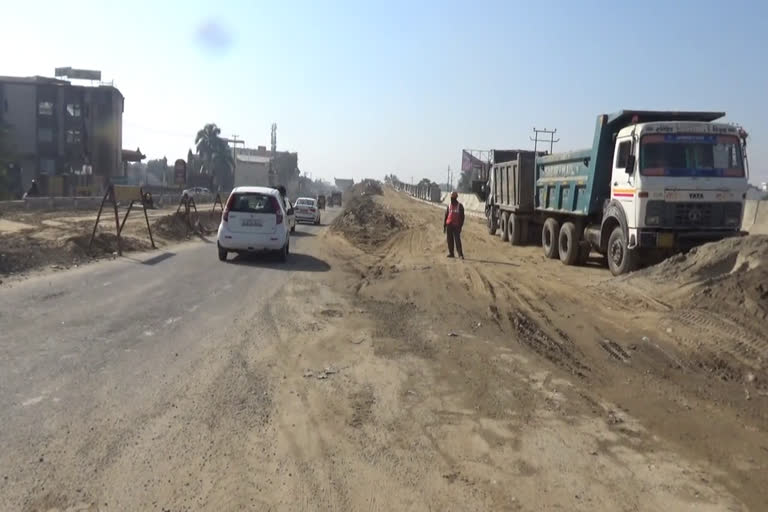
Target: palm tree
[216,154]
[208,143]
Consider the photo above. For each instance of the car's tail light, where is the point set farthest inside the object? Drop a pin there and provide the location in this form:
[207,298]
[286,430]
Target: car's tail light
[230,202]
[312,210]
[278,212]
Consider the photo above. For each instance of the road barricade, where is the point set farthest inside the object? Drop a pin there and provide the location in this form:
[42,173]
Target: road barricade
[122,194]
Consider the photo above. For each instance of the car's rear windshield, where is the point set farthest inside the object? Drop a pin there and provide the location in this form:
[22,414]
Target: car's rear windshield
[253,203]
[306,202]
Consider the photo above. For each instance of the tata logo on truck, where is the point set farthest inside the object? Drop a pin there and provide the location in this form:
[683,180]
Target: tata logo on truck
[696,195]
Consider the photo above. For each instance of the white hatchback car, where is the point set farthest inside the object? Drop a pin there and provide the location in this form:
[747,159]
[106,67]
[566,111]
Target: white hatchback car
[307,210]
[254,220]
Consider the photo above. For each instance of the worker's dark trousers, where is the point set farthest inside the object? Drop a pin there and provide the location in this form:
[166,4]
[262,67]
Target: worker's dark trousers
[453,235]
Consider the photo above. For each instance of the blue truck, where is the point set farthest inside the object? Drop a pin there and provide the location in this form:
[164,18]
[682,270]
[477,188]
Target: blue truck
[653,183]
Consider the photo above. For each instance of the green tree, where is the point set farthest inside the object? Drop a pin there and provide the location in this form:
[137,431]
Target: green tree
[216,155]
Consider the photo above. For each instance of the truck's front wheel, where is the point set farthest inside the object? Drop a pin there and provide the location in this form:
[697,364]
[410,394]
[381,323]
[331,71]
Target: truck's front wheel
[621,259]
[568,244]
[549,237]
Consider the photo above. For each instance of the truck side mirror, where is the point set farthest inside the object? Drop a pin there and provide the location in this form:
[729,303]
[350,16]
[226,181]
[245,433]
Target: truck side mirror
[630,168]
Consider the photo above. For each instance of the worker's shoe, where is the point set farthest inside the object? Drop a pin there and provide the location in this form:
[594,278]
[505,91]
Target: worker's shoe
[450,256]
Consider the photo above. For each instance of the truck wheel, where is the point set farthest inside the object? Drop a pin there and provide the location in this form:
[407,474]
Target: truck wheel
[515,230]
[621,259]
[492,222]
[503,226]
[568,244]
[549,237]
[222,254]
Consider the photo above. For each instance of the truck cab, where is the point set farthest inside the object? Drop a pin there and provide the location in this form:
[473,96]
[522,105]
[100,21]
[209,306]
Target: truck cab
[677,183]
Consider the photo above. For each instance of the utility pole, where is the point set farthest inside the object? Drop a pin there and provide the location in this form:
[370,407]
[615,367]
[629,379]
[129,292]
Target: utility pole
[551,139]
[235,141]
[273,150]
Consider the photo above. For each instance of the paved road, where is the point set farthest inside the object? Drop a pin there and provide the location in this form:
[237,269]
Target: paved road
[87,355]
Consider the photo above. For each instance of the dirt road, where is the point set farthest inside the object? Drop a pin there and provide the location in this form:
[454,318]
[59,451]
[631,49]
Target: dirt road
[371,373]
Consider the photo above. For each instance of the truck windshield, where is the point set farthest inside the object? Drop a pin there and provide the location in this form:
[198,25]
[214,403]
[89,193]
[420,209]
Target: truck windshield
[680,155]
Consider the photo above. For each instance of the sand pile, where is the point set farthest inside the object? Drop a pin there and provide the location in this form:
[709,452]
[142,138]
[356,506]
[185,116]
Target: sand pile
[367,223]
[21,253]
[729,276]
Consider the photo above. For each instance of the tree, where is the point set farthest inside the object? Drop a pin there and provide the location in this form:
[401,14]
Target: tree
[216,155]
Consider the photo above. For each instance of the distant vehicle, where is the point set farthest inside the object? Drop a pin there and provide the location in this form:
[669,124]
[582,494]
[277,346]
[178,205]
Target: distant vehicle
[199,194]
[764,186]
[321,201]
[652,184]
[335,199]
[254,220]
[307,210]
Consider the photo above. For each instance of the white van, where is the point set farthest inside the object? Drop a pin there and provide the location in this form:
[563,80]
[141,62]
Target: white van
[254,220]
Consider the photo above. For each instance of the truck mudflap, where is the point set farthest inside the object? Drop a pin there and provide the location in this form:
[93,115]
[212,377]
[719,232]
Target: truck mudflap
[655,239]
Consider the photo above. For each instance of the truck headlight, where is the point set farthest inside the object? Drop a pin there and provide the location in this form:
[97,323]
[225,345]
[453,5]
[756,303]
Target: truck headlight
[731,221]
[652,220]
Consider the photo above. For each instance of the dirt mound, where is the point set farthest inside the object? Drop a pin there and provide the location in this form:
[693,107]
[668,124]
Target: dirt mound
[176,226]
[21,253]
[368,188]
[367,223]
[731,274]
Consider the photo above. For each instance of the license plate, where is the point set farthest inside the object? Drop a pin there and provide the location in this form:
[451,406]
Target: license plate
[665,240]
[251,222]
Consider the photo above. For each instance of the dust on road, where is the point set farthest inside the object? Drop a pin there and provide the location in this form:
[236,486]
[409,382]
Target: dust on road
[400,380]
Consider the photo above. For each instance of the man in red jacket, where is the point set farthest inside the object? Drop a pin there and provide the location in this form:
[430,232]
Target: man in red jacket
[454,221]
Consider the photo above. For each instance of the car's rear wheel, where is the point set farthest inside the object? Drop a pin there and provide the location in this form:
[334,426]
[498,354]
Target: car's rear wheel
[222,254]
[284,252]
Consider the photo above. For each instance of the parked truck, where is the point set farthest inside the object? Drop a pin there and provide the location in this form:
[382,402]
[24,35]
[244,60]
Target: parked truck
[652,184]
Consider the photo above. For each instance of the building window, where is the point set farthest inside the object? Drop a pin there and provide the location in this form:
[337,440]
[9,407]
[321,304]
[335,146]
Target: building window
[47,166]
[45,135]
[73,137]
[45,108]
[74,109]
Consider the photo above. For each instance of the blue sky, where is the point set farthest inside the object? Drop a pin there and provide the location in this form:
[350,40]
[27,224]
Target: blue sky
[362,89]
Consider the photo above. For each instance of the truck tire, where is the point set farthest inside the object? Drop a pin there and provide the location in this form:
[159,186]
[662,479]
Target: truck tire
[621,259]
[568,244]
[514,229]
[492,221]
[549,237]
[504,220]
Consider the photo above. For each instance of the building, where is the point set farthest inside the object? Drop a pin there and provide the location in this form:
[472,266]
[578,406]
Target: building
[62,134]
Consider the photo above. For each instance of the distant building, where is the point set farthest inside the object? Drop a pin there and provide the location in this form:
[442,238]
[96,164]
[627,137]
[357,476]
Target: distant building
[59,129]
